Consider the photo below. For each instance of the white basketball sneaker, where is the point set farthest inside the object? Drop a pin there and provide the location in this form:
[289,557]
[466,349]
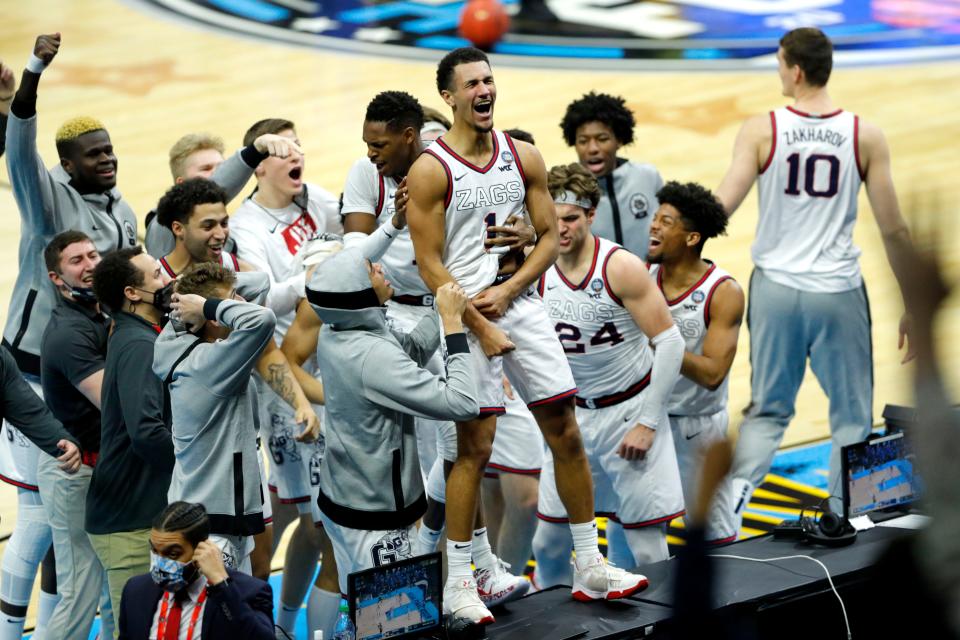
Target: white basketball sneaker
[599,580]
[497,585]
[461,600]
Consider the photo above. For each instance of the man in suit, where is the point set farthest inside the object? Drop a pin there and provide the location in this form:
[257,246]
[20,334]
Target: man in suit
[188,587]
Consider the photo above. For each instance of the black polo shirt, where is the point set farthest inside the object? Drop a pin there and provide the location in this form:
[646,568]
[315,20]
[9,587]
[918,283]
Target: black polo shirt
[74,347]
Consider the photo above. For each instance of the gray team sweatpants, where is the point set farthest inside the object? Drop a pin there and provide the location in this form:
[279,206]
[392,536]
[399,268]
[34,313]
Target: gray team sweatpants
[787,326]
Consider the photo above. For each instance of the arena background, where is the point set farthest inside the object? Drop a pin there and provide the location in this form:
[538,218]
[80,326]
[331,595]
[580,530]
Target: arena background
[691,70]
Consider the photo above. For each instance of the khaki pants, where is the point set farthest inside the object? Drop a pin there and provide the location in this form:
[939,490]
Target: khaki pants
[123,555]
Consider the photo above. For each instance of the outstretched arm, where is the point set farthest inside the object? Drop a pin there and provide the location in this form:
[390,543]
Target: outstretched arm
[750,152]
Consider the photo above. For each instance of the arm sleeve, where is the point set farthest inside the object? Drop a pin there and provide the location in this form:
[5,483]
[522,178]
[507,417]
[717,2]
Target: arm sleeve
[227,364]
[26,411]
[415,391]
[34,189]
[253,286]
[372,246]
[284,294]
[142,405]
[420,343]
[234,172]
[667,358]
[250,619]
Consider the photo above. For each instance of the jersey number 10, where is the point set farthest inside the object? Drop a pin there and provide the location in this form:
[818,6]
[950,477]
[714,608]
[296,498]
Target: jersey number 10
[810,172]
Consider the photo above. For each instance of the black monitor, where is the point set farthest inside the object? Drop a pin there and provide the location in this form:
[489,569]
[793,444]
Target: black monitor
[878,475]
[397,600]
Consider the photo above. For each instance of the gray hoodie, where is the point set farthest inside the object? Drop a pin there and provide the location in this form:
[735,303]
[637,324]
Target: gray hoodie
[375,383]
[214,414]
[627,205]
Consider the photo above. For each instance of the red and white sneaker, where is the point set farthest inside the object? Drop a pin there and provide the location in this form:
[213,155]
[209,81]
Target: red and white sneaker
[497,586]
[461,600]
[599,580]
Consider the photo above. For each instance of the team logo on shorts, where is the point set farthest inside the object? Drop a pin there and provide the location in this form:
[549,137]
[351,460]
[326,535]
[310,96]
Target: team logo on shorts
[392,547]
[639,206]
[698,296]
[629,34]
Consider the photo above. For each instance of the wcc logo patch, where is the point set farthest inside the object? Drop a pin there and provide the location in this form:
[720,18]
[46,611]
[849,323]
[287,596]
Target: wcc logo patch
[674,35]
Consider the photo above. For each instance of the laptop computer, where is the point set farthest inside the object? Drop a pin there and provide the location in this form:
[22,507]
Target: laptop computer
[879,478]
[398,600]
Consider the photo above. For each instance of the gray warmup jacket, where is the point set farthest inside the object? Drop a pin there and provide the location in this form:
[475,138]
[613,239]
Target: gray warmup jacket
[627,205]
[213,406]
[375,383]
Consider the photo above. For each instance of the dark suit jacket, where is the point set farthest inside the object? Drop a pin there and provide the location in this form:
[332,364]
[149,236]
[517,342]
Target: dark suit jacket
[241,610]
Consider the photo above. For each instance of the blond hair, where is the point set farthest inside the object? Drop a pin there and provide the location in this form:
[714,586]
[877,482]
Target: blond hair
[573,177]
[73,129]
[189,145]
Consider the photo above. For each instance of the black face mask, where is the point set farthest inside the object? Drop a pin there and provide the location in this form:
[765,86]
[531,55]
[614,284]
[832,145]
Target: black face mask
[83,295]
[161,297]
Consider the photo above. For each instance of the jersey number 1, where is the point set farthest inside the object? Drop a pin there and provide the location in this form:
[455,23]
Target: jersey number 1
[810,171]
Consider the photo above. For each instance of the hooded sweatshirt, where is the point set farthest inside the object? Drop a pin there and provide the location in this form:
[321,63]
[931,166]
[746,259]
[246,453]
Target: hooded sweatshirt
[375,384]
[627,205]
[214,414]
[48,205]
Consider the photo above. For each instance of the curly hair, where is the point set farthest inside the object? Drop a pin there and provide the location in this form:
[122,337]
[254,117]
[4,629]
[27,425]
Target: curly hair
[114,274]
[72,129]
[269,125]
[189,145]
[398,109]
[598,107]
[463,55]
[699,208]
[178,202]
[573,177]
[189,519]
[206,279]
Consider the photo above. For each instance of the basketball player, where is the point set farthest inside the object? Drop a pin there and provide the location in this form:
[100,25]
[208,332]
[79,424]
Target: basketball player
[79,193]
[707,306]
[468,180]
[807,297]
[597,125]
[606,311]
[374,207]
[270,228]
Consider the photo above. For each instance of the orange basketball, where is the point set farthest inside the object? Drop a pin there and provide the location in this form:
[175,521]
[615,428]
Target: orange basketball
[483,22]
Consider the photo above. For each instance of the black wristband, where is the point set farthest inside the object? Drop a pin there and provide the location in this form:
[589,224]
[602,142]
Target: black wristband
[251,157]
[457,343]
[210,308]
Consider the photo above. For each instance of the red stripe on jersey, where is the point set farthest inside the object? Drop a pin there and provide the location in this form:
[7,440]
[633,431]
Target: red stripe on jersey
[17,483]
[696,286]
[236,264]
[706,306]
[559,396]
[650,523]
[543,278]
[773,143]
[516,158]
[813,115]
[380,195]
[519,472]
[446,170]
[606,280]
[593,266]
[467,163]
[856,145]
[166,267]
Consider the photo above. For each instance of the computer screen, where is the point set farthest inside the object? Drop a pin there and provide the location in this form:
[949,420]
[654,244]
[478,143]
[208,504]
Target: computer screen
[398,600]
[878,474]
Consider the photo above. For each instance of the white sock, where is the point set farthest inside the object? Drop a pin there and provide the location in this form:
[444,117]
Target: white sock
[11,627]
[46,603]
[458,561]
[428,539]
[585,541]
[482,553]
[287,616]
[323,608]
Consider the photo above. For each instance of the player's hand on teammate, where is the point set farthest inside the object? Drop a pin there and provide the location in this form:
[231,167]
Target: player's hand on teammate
[209,560]
[70,459]
[636,443]
[507,388]
[515,234]
[46,47]
[493,302]
[311,424]
[400,199]
[188,309]
[277,146]
[451,301]
[495,341]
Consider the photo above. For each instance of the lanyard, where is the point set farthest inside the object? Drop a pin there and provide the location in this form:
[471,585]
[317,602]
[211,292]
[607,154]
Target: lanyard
[165,605]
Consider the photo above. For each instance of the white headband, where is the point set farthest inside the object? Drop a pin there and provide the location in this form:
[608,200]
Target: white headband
[569,197]
[432,127]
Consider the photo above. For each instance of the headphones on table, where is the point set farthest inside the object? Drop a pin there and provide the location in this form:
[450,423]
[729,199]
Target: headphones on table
[830,530]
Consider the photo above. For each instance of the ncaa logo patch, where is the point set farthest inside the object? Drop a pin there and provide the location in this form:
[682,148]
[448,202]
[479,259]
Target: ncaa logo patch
[507,157]
[639,206]
[596,285]
[674,35]
[698,296]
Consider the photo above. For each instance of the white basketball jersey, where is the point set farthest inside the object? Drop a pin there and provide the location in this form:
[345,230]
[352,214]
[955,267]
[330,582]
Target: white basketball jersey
[808,202]
[691,314]
[607,351]
[478,198]
[367,191]
[227,260]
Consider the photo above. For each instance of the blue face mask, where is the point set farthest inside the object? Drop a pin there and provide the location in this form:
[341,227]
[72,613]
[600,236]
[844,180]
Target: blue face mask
[171,575]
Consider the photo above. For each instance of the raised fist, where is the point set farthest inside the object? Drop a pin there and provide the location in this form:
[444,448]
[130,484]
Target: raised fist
[46,47]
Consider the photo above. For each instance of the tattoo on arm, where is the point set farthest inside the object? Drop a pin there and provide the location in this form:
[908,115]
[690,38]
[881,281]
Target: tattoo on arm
[280,379]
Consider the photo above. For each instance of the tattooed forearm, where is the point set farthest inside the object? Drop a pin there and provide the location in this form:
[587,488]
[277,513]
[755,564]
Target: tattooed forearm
[281,380]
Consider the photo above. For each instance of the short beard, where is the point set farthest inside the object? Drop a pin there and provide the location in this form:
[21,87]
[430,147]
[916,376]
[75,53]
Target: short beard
[480,129]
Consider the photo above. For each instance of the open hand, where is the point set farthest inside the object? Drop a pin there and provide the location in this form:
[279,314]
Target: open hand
[277,146]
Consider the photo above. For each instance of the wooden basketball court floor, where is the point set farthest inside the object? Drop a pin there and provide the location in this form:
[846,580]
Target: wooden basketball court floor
[151,79]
